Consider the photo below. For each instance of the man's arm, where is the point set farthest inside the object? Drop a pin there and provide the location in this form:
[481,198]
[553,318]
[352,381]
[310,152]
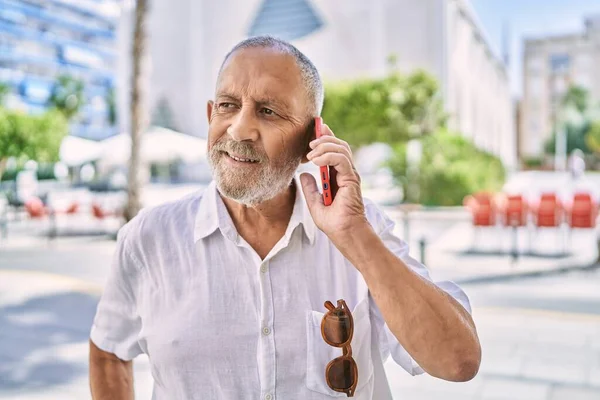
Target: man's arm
[435,330]
[110,377]
[432,326]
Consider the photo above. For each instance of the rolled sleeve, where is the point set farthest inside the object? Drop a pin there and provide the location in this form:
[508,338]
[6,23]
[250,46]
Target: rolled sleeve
[389,345]
[117,324]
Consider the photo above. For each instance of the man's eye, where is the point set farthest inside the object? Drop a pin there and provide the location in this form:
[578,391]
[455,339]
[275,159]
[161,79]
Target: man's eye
[268,111]
[226,105]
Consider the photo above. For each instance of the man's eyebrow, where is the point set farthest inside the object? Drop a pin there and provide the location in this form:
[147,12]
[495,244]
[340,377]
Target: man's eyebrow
[224,95]
[271,101]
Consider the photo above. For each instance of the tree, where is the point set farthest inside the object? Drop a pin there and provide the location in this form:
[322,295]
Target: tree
[112,107]
[593,137]
[578,118]
[138,110]
[32,137]
[391,109]
[4,91]
[576,97]
[67,95]
[163,116]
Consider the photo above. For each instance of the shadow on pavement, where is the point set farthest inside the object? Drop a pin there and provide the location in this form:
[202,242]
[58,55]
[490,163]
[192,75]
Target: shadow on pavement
[41,340]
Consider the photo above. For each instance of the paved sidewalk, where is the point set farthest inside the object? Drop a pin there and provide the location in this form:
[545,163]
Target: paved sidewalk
[45,321]
[529,355]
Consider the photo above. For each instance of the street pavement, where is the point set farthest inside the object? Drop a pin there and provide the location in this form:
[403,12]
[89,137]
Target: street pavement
[540,335]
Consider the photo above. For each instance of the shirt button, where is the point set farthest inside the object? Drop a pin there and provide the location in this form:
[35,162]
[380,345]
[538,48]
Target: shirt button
[266,331]
[264,268]
[268,397]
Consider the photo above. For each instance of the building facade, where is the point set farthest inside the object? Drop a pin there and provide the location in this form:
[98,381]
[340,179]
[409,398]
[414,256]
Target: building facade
[345,39]
[43,39]
[550,66]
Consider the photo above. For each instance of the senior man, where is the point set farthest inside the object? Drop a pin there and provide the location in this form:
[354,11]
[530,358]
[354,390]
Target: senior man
[225,290]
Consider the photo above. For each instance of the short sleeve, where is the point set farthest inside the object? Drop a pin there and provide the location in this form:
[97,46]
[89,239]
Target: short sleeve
[389,345]
[117,323]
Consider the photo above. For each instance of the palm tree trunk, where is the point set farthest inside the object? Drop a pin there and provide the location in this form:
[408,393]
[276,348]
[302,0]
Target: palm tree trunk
[138,111]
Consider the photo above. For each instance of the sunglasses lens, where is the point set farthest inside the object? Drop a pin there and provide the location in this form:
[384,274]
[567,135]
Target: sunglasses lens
[342,373]
[337,327]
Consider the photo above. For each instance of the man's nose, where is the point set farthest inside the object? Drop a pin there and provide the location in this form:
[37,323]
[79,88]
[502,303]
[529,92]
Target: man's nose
[244,126]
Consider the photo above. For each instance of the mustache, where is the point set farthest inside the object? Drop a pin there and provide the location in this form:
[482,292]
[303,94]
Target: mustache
[241,149]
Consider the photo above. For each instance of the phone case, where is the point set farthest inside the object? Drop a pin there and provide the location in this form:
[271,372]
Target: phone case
[325,177]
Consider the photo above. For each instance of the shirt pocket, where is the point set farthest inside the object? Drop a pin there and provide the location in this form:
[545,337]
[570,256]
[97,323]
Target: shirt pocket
[319,353]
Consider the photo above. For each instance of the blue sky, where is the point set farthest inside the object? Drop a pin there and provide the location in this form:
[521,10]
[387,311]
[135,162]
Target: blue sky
[527,18]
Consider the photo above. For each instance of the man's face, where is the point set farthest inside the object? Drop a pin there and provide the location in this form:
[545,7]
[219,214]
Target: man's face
[258,125]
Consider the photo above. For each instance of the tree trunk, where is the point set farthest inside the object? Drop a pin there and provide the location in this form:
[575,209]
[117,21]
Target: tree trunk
[138,110]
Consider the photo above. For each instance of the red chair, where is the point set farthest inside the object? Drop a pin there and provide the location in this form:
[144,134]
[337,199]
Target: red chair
[36,208]
[100,213]
[482,208]
[514,211]
[583,211]
[548,213]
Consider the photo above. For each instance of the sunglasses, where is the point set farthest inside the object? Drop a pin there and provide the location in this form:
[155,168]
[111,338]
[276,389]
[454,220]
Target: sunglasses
[337,328]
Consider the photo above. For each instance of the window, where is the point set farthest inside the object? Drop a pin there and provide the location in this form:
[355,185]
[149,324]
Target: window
[287,19]
[560,63]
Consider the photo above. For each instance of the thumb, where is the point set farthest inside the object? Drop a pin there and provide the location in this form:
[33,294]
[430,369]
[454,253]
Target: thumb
[311,192]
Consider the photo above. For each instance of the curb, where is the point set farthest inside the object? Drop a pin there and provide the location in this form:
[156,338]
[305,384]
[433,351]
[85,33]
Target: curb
[526,274]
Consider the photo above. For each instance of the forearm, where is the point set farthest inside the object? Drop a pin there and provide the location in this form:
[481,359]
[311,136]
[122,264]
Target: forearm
[433,327]
[110,377]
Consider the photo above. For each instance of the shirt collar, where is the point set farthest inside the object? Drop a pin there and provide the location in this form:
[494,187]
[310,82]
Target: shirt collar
[212,214]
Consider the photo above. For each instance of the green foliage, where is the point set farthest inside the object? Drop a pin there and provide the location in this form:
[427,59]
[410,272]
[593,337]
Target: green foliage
[391,109]
[533,162]
[576,139]
[163,116]
[451,167]
[4,91]
[580,122]
[67,96]
[593,137]
[112,106]
[45,172]
[34,137]
[576,97]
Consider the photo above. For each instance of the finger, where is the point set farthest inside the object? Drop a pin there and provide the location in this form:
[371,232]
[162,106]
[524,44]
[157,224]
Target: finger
[314,200]
[339,161]
[326,130]
[328,148]
[330,139]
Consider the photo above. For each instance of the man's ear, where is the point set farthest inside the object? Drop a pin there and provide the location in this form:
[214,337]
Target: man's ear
[209,109]
[310,135]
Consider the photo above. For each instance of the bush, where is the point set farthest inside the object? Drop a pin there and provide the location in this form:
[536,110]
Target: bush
[390,110]
[451,167]
[31,137]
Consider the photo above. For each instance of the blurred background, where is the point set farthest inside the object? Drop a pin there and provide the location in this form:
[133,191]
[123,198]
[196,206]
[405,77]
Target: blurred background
[475,125]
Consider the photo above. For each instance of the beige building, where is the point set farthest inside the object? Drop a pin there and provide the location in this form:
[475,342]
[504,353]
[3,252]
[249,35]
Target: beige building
[550,66]
[345,39]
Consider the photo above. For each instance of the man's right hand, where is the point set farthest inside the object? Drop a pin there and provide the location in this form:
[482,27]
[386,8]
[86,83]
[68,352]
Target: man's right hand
[110,377]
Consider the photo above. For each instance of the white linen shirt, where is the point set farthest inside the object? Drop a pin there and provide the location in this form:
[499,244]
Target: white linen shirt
[217,322]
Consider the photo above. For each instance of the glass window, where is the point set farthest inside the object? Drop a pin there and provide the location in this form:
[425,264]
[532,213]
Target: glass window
[560,63]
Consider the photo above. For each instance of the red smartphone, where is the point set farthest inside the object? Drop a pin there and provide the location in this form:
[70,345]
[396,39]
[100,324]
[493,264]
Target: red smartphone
[326,181]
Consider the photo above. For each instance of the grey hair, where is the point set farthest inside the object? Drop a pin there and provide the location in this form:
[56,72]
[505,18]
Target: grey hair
[310,75]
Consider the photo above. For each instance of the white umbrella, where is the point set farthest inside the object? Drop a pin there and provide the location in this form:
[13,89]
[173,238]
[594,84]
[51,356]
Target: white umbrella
[75,151]
[159,145]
